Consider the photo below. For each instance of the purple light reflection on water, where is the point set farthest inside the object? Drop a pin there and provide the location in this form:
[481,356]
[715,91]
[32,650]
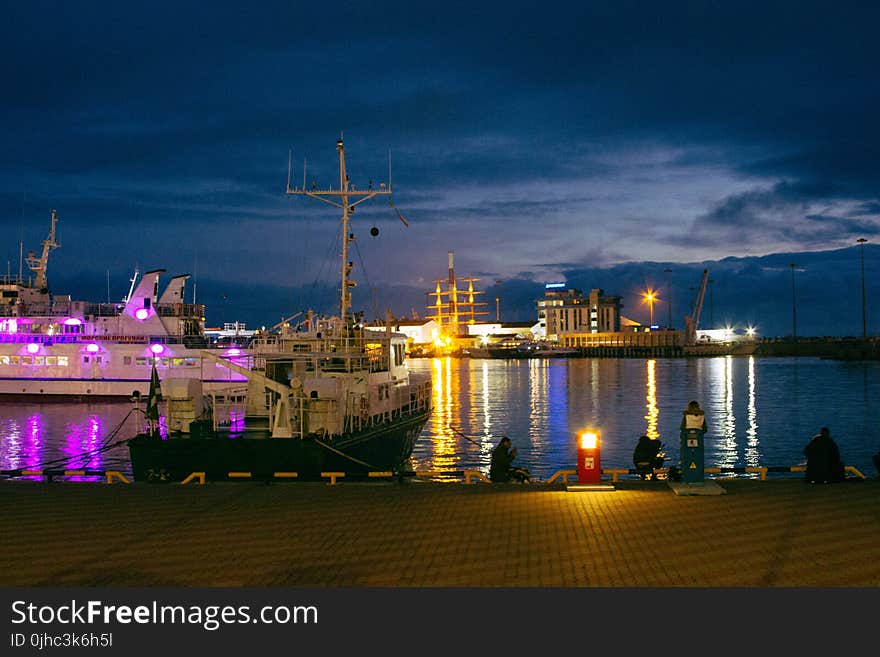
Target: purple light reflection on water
[32,448]
[81,441]
[39,436]
[22,443]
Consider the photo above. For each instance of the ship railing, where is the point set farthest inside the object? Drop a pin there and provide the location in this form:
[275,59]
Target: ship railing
[468,476]
[760,472]
[184,310]
[409,399]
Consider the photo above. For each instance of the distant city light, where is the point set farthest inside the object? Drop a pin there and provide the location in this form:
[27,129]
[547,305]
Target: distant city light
[550,286]
[141,313]
[157,348]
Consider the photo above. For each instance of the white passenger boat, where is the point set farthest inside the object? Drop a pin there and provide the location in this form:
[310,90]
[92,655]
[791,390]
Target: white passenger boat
[52,347]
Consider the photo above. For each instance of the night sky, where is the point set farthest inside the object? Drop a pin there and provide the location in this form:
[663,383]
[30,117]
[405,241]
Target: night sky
[595,142]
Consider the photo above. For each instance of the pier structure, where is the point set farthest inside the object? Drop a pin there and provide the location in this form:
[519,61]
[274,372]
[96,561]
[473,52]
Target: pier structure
[626,344]
[441,535]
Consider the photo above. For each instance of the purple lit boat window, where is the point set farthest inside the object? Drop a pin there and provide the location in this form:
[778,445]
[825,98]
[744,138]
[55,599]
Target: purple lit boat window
[233,352]
[92,348]
[142,313]
[72,321]
[33,348]
[157,348]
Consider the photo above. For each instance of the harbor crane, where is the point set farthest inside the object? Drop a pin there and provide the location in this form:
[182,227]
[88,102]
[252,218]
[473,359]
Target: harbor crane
[38,265]
[692,321]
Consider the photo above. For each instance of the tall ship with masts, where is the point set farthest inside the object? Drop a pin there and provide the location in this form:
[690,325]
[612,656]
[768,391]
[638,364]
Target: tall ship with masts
[322,395]
[54,347]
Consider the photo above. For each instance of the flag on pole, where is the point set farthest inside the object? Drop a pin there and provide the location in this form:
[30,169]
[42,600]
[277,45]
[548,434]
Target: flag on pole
[400,216]
[152,412]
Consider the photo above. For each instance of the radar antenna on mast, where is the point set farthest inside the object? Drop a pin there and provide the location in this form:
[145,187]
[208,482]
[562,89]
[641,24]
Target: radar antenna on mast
[346,197]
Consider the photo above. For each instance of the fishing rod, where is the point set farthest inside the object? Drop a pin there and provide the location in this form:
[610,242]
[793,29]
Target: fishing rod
[464,435]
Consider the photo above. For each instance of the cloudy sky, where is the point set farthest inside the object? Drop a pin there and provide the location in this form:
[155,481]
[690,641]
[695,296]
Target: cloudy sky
[535,140]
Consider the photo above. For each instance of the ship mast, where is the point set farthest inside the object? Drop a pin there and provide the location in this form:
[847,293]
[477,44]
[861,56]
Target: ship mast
[39,265]
[348,198]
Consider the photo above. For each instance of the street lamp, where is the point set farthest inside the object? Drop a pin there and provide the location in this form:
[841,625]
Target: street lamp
[793,305]
[861,242]
[650,296]
[669,296]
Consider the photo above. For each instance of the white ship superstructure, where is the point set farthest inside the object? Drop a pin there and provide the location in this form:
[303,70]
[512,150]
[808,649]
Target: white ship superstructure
[52,346]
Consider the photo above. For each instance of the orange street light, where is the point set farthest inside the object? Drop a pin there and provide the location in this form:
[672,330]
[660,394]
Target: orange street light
[650,296]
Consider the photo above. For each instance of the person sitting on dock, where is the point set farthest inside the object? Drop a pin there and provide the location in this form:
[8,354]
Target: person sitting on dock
[501,469]
[647,457]
[823,459]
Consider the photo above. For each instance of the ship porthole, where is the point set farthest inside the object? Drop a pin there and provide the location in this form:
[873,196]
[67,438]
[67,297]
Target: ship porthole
[41,391]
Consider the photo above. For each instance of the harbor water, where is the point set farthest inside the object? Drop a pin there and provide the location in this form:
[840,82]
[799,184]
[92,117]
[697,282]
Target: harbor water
[760,412]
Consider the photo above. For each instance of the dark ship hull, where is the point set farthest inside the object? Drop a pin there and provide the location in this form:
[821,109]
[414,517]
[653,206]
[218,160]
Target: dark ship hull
[380,448]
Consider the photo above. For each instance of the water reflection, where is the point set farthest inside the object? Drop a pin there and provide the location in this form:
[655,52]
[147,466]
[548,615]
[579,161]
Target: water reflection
[10,433]
[537,399]
[653,412]
[752,455]
[32,449]
[726,434]
[541,404]
[487,418]
[445,414]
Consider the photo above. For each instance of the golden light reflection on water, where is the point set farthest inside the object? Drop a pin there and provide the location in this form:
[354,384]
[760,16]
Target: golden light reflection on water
[444,413]
[653,412]
[487,418]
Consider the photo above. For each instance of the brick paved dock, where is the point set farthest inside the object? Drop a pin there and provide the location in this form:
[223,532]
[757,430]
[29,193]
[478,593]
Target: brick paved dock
[417,534]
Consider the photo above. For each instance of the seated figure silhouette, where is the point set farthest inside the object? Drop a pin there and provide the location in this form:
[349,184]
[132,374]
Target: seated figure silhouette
[647,457]
[823,459]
